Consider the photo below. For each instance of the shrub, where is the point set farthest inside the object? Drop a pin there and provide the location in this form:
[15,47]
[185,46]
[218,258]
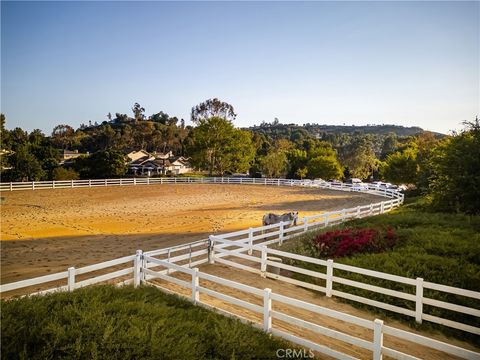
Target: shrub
[107,322]
[347,242]
[61,173]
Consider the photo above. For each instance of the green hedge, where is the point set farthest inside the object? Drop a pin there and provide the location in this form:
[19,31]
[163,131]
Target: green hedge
[106,322]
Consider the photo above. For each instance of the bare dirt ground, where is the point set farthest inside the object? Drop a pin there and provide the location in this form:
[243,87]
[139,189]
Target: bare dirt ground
[46,231]
[313,297]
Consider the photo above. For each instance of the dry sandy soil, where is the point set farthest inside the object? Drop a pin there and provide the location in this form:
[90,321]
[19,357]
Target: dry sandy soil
[47,231]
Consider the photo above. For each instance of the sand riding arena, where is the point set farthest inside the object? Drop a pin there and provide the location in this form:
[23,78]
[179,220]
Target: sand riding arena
[46,231]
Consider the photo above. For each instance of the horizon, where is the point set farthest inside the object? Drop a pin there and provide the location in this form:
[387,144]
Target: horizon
[408,64]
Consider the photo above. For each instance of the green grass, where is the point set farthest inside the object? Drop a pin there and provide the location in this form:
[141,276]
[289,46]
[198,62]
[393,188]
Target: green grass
[106,322]
[442,248]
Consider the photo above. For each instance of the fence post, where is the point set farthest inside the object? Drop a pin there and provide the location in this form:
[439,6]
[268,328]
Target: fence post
[358,212]
[305,224]
[377,339]
[329,280]
[143,275]
[71,278]
[250,240]
[148,181]
[278,182]
[53,184]
[419,300]
[11,186]
[195,285]
[168,260]
[382,207]
[263,266]
[137,268]
[211,249]
[280,236]
[89,183]
[343,215]
[106,182]
[190,257]
[267,310]
[371,209]
[33,185]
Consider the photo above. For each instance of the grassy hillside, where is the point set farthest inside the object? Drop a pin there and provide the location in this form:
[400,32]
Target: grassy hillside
[439,247]
[105,322]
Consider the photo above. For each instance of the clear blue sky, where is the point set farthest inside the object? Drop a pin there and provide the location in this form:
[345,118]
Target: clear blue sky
[407,63]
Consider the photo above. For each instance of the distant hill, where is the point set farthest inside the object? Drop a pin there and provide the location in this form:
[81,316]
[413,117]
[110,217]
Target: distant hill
[318,130]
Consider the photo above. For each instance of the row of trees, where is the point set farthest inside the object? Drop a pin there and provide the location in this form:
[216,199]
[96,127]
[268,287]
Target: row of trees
[445,168]
[447,171]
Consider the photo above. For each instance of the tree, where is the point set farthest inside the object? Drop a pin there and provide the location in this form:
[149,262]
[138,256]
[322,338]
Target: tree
[62,136]
[301,173]
[360,158]
[455,165]
[25,166]
[390,144]
[160,117]
[5,137]
[108,138]
[138,112]
[297,160]
[212,108]
[18,138]
[61,173]
[240,152]
[102,164]
[142,135]
[325,167]
[274,164]
[425,142]
[218,147]
[401,166]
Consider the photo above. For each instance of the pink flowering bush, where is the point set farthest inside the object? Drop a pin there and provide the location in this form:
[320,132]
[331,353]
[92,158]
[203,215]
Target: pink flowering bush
[347,242]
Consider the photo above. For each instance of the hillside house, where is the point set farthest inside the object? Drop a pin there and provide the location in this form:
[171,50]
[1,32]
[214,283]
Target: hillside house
[69,155]
[144,163]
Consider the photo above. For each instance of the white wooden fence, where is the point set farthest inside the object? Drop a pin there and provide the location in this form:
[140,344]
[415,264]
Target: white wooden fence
[257,257]
[62,184]
[251,245]
[375,345]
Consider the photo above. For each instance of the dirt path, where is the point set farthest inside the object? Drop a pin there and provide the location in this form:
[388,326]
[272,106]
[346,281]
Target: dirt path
[46,231]
[296,292]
